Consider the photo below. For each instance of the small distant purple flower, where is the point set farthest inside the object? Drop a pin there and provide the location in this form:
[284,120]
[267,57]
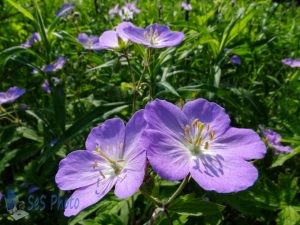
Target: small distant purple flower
[291,62]
[153,36]
[65,10]
[186,6]
[115,157]
[11,94]
[199,140]
[115,10]
[32,189]
[89,42]
[274,140]
[53,142]
[46,87]
[235,59]
[132,7]
[125,13]
[56,66]
[35,37]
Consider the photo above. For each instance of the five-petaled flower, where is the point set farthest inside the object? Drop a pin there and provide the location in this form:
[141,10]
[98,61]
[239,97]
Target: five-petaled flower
[273,139]
[186,6]
[291,62]
[199,140]
[11,94]
[114,157]
[153,36]
[89,42]
[35,37]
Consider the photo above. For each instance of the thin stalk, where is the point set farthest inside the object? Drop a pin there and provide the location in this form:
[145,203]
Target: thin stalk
[155,200]
[179,190]
[134,87]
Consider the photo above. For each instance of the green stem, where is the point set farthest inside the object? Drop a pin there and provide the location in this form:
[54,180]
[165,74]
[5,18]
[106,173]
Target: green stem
[179,190]
[155,200]
[134,88]
[168,217]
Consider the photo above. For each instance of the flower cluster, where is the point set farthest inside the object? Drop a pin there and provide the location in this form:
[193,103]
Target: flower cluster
[126,12]
[153,36]
[196,140]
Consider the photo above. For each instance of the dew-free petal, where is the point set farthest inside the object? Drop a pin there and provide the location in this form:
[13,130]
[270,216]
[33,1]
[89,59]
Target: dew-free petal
[168,157]
[76,170]
[240,143]
[109,40]
[217,173]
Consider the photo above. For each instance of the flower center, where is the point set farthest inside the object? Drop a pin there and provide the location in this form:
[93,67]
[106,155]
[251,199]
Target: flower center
[198,137]
[151,36]
[115,166]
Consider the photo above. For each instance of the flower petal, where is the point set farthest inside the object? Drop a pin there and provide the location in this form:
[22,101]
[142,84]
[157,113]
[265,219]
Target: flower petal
[134,34]
[109,40]
[132,177]
[87,196]
[160,29]
[133,132]
[169,39]
[76,170]
[109,136]
[120,29]
[208,113]
[165,117]
[168,156]
[239,143]
[217,173]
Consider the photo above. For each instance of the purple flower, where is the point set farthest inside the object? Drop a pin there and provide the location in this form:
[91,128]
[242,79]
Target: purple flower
[291,62]
[56,66]
[125,13]
[274,140]
[235,59]
[186,6]
[199,140]
[46,87]
[114,157]
[113,11]
[132,7]
[11,94]
[35,37]
[65,10]
[154,36]
[89,42]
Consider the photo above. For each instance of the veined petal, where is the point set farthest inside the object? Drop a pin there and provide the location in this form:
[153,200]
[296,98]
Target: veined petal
[134,34]
[109,40]
[132,177]
[217,173]
[76,170]
[165,117]
[120,29]
[87,196]
[168,156]
[239,143]
[169,39]
[109,136]
[208,113]
[160,29]
[133,132]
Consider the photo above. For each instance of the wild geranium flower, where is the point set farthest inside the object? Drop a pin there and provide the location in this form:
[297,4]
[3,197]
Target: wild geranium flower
[291,62]
[132,7]
[274,140]
[65,10]
[199,140]
[11,94]
[35,37]
[46,86]
[235,59]
[154,36]
[89,42]
[112,39]
[186,6]
[58,65]
[125,13]
[115,10]
[114,157]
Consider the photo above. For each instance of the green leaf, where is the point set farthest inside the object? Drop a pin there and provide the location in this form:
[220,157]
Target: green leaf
[29,134]
[59,106]
[21,10]
[282,158]
[288,216]
[169,87]
[189,205]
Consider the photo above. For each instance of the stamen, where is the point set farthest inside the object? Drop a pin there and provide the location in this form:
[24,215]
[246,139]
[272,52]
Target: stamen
[101,153]
[212,135]
[187,133]
[194,123]
[108,147]
[206,146]
[101,174]
[207,127]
